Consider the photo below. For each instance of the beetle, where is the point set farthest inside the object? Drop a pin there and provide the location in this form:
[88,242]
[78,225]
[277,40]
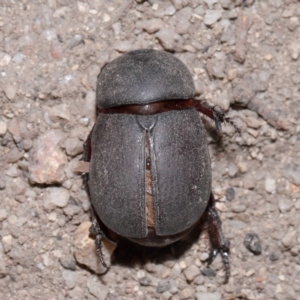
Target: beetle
[149,178]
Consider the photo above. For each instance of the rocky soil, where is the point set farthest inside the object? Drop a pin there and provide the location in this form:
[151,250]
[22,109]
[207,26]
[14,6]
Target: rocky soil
[244,57]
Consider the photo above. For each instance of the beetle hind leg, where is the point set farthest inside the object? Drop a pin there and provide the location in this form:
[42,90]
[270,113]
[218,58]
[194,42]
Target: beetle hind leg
[219,244]
[105,239]
[96,230]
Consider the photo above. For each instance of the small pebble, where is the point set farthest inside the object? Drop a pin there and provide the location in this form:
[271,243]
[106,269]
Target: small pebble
[13,171]
[170,40]
[210,3]
[7,241]
[117,28]
[97,289]
[14,155]
[52,216]
[284,204]
[3,214]
[215,68]
[208,272]
[14,129]
[252,243]
[191,272]
[70,277]
[170,10]
[4,59]
[10,91]
[248,294]
[225,3]
[167,295]
[123,46]
[249,182]
[212,16]
[230,194]
[47,160]
[270,185]
[243,166]
[238,207]
[2,182]
[274,256]
[164,286]
[231,74]
[176,269]
[182,20]
[3,128]
[27,144]
[89,108]
[73,146]
[294,50]
[56,50]
[18,58]
[72,210]
[186,293]
[232,170]
[243,93]
[68,263]
[3,270]
[57,196]
[290,239]
[145,281]
[106,18]
[75,41]
[60,112]
[153,25]
[292,173]
[208,296]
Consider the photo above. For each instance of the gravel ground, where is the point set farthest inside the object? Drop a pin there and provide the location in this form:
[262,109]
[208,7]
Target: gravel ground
[244,57]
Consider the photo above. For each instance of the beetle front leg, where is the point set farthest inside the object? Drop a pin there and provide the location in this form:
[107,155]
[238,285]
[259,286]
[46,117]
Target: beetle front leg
[219,244]
[218,115]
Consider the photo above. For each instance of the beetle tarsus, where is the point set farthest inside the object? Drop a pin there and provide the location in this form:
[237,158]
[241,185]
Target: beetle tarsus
[219,244]
[218,122]
[95,229]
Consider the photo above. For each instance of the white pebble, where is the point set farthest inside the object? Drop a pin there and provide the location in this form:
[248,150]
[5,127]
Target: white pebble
[270,185]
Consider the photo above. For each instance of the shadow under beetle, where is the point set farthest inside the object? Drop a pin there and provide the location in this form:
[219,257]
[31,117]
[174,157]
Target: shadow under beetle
[150,174]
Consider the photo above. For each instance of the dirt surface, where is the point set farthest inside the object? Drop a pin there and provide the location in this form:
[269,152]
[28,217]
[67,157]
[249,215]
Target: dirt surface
[244,57]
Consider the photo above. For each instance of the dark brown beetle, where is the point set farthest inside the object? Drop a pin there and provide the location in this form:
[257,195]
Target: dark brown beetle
[150,175]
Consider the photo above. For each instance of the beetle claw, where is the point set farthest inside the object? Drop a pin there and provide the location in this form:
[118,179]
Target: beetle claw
[225,260]
[224,252]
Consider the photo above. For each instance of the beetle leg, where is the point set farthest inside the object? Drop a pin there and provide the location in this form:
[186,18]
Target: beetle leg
[219,244]
[100,231]
[215,114]
[96,230]
[87,154]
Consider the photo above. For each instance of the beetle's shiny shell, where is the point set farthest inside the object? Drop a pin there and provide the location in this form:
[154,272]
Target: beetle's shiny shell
[143,77]
[180,164]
